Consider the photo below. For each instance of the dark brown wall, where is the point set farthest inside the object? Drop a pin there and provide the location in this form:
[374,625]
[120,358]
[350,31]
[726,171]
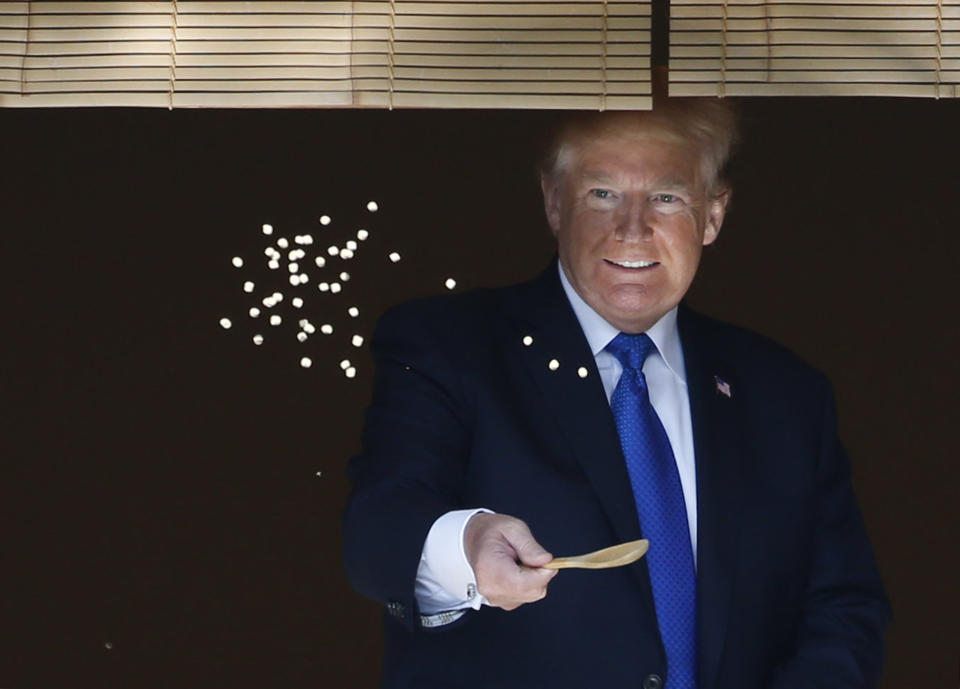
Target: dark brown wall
[159,486]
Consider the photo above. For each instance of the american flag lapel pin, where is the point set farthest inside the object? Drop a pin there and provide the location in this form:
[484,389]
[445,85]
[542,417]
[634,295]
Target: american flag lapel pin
[723,387]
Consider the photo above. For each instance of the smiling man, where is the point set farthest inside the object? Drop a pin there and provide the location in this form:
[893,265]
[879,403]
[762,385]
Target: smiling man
[590,407]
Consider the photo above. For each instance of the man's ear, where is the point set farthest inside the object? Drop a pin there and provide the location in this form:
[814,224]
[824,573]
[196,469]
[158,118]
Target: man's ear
[550,186]
[716,210]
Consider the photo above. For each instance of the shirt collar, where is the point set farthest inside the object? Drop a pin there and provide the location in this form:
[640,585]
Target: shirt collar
[599,332]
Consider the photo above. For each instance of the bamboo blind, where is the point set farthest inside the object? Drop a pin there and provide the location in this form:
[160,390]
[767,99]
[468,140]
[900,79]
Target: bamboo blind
[815,48]
[591,54]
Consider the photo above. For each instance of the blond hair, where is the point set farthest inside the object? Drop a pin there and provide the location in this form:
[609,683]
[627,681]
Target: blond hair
[708,124]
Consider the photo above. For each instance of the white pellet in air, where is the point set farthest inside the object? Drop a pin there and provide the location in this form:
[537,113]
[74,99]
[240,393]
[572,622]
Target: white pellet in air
[333,250]
[297,302]
[306,362]
[267,229]
[362,235]
[302,337]
[353,311]
[357,341]
[345,364]
[344,276]
[450,283]
[324,219]
[553,365]
[248,286]
[323,287]
[275,320]
[254,312]
[350,372]
[258,339]
[352,245]
[225,323]
[283,243]
[237,262]
[372,206]
[346,253]
[527,340]
[334,287]
[326,329]
[394,257]
[320,261]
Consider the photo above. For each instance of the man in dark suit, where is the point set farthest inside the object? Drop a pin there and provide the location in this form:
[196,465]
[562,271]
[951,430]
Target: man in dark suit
[587,408]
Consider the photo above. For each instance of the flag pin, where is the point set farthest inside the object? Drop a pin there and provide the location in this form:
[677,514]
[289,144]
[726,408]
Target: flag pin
[723,387]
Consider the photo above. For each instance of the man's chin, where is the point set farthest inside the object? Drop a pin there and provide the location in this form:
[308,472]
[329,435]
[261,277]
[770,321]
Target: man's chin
[634,315]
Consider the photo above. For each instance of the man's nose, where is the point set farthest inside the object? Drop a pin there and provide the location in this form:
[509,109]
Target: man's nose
[633,223]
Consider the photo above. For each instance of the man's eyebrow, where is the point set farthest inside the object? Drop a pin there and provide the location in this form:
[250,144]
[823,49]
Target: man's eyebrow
[673,183]
[597,175]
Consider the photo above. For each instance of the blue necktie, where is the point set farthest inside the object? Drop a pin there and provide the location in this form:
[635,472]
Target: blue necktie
[660,506]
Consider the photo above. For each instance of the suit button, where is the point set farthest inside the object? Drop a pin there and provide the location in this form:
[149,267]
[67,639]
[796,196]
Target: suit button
[652,682]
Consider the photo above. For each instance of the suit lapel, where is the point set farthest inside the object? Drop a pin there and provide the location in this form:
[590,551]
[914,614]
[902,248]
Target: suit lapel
[714,405]
[578,405]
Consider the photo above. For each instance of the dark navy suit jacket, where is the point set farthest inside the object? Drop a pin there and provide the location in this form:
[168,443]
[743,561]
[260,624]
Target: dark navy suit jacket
[464,415]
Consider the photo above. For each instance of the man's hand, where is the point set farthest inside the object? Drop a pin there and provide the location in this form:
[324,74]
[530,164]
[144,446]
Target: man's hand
[497,547]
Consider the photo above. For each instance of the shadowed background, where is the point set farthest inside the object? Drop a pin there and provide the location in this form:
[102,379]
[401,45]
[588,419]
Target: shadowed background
[163,521]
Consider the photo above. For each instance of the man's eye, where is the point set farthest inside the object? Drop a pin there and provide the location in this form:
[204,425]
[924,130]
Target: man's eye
[666,198]
[601,193]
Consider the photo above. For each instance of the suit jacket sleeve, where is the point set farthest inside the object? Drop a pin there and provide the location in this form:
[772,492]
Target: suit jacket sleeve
[840,636]
[415,445]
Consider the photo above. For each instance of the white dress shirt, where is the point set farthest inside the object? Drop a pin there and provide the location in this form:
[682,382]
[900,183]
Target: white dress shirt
[445,580]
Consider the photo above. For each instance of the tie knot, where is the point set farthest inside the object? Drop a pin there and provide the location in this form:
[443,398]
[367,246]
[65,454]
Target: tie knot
[631,350]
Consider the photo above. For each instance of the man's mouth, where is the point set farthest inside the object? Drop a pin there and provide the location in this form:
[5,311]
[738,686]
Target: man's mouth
[633,264]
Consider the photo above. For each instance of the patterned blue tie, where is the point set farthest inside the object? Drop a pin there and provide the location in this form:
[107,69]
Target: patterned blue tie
[660,506]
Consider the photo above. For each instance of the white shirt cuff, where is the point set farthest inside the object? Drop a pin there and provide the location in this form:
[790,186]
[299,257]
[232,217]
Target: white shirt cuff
[445,579]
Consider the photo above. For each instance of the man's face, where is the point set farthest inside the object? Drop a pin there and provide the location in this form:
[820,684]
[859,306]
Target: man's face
[631,216]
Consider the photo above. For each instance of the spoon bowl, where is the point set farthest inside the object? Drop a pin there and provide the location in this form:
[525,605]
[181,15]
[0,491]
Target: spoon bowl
[614,556]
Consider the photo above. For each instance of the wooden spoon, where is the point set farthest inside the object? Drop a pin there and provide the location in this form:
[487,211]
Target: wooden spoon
[614,556]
